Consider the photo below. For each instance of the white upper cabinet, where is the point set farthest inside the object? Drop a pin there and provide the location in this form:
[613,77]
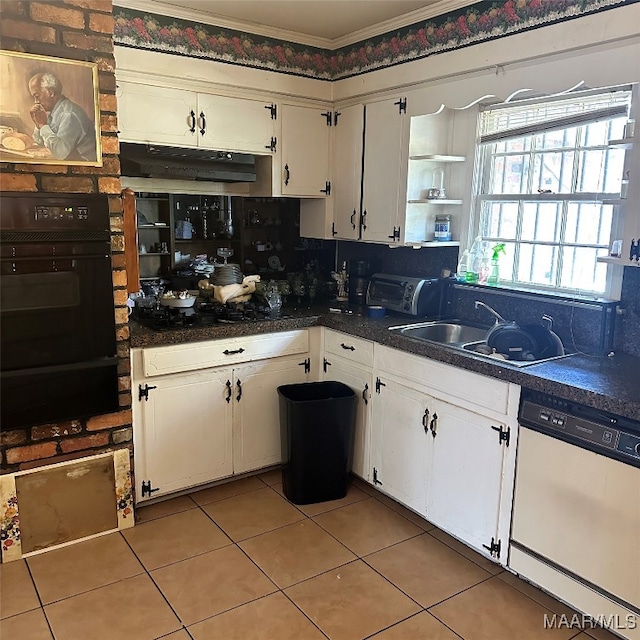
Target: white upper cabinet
[172,121]
[347,171]
[303,153]
[236,124]
[186,118]
[382,170]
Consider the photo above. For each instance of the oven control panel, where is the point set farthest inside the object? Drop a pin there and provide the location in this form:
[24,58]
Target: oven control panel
[43,212]
[603,436]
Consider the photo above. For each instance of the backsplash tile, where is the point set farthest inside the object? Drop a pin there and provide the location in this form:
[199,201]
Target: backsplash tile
[628,334]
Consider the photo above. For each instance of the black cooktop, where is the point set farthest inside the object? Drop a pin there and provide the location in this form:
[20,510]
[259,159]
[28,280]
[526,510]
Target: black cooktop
[203,315]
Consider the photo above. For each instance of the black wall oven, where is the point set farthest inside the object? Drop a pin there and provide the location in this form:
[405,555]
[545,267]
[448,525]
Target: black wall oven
[57,322]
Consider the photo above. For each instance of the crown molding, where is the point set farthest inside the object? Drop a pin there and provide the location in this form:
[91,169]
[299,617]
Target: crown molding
[405,20]
[419,15]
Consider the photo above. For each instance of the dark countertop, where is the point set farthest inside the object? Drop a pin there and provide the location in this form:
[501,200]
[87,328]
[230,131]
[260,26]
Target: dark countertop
[607,383]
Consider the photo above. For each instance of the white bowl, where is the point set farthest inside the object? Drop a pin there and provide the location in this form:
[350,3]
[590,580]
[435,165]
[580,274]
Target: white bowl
[178,302]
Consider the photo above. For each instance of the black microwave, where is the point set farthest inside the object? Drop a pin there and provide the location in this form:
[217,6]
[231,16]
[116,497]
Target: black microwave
[422,297]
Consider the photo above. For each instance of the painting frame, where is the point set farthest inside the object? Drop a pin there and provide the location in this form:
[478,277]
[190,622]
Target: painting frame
[50,113]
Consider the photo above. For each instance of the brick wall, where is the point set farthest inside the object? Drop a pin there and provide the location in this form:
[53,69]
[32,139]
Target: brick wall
[76,30]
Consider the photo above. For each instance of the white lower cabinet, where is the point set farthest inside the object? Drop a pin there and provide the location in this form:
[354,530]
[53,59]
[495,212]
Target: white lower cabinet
[360,381]
[448,459]
[182,432]
[256,411]
[195,427]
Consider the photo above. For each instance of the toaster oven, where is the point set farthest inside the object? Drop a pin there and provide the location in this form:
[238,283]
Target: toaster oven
[405,294]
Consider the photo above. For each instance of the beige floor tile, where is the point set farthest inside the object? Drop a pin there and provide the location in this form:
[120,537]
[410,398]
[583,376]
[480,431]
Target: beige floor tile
[31,625]
[467,552]
[174,538]
[353,495]
[351,602]
[227,490]
[65,572]
[419,627]
[547,601]
[601,634]
[426,570]
[177,635]
[253,513]
[270,618]
[209,584]
[367,526]
[271,477]
[132,609]
[411,516]
[164,508]
[277,487]
[365,486]
[296,552]
[17,593]
[493,610]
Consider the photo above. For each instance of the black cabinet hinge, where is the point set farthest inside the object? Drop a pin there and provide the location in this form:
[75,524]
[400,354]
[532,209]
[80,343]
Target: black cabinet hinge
[327,188]
[396,234]
[379,384]
[272,145]
[146,488]
[336,115]
[143,392]
[375,476]
[504,434]
[493,548]
[329,116]
[402,105]
[325,364]
[306,364]
[273,108]
[333,229]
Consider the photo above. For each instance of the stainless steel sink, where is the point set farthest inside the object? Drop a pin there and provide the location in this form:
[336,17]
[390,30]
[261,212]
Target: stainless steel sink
[443,332]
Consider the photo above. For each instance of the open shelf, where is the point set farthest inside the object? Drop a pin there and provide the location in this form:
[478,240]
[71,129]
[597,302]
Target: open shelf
[623,262]
[435,201]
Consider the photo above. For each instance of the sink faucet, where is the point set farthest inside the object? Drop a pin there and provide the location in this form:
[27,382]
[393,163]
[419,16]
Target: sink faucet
[493,312]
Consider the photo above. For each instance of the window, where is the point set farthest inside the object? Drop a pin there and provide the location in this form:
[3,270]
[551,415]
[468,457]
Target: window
[547,179]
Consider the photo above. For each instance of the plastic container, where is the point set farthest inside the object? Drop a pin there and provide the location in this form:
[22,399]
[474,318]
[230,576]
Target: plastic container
[317,421]
[442,231]
[376,311]
[463,265]
[476,258]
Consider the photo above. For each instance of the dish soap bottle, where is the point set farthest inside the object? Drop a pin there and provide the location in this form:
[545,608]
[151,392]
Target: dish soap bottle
[494,275]
[463,265]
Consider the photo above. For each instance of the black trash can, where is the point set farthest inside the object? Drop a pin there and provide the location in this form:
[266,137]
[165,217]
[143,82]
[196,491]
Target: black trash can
[316,424]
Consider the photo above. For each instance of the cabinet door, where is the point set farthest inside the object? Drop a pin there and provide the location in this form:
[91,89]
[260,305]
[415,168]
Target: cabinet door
[304,152]
[185,434]
[347,172]
[256,410]
[235,124]
[361,382]
[400,443]
[465,475]
[382,169]
[171,121]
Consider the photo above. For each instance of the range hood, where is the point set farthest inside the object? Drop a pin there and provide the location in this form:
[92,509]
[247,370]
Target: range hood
[157,161]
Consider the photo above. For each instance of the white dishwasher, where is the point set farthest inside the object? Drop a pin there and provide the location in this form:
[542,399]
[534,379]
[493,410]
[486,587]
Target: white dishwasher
[576,517]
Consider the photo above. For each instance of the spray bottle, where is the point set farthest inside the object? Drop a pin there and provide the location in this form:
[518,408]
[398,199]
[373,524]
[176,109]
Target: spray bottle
[494,275]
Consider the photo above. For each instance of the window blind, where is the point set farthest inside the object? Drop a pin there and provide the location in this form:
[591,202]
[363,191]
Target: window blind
[506,122]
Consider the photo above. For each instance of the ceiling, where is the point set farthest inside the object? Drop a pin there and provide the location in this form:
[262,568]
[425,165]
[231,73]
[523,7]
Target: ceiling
[329,20]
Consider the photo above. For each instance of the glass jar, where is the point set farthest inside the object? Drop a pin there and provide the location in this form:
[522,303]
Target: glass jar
[442,231]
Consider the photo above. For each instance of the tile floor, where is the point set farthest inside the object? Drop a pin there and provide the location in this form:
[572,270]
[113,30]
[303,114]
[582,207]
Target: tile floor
[239,562]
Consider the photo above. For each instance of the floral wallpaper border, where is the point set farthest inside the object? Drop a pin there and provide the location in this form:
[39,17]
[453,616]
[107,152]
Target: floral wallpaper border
[479,22]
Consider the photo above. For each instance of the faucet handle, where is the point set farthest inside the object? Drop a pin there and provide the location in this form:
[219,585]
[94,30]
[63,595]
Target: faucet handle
[548,321]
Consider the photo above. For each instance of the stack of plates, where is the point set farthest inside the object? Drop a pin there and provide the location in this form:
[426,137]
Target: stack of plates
[226,274]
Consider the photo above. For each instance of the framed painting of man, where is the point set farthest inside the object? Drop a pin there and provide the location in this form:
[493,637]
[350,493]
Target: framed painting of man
[49,110]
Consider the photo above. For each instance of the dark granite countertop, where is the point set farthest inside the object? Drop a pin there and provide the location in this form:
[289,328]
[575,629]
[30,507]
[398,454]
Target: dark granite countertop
[607,383]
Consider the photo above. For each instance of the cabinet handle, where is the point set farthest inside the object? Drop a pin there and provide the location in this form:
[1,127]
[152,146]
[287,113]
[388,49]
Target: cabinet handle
[203,127]
[233,352]
[364,220]
[239,385]
[364,393]
[229,392]
[434,425]
[192,115]
[348,347]
[353,215]
[425,420]
[287,174]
